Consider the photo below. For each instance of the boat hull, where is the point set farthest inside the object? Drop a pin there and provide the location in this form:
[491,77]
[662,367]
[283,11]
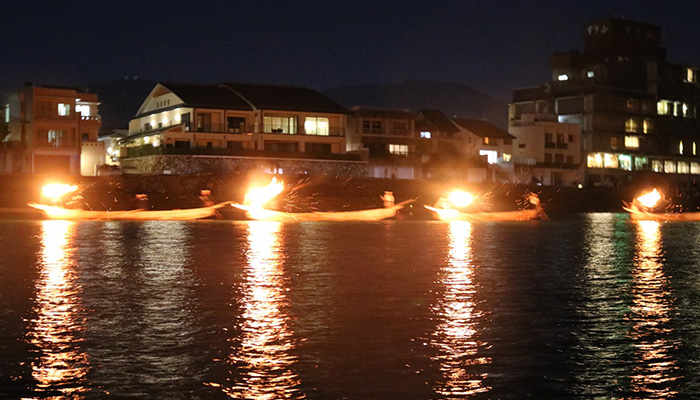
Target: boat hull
[455,215]
[639,215]
[55,212]
[377,214]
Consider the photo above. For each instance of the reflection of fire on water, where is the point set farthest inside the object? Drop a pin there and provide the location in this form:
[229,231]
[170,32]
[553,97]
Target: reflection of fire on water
[456,337]
[266,337]
[652,304]
[61,367]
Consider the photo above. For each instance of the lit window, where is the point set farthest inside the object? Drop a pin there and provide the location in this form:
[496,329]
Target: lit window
[83,110]
[646,126]
[669,166]
[694,168]
[165,121]
[680,147]
[56,138]
[631,125]
[425,135]
[400,149]
[63,109]
[595,160]
[631,142]
[683,167]
[590,74]
[685,109]
[280,124]
[506,157]
[695,148]
[486,140]
[640,163]
[316,126]
[663,107]
[153,124]
[563,77]
[625,162]
[609,160]
[491,155]
[691,76]
[676,108]
[656,166]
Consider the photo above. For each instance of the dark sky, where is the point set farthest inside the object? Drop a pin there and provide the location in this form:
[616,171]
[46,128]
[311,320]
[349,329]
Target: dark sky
[491,45]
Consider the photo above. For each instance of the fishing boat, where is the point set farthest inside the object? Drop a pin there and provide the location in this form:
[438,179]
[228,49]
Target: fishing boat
[374,214]
[58,212]
[641,209]
[447,209]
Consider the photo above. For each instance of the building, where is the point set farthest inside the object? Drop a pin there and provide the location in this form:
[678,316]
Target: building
[52,130]
[545,151]
[272,124]
[491,143]
[387,139]
[637,111]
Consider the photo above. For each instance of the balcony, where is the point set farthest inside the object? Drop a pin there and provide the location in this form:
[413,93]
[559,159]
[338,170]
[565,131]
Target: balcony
[563,146]
[148,150]
[243,129]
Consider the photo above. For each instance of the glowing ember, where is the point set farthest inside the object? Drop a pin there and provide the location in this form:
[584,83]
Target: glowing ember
[57,190]
[460,198]
[257,197]
[650,199]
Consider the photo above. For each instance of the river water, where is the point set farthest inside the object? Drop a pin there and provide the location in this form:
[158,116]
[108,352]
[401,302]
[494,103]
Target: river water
[591,306]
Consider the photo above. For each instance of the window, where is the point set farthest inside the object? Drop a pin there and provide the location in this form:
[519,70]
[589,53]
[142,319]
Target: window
[491,155]
[372,127]
[63,109]
[506,157]
[236,124]
[664,107]
[280,125]
[486,140]
[83,110]
[631,142]
[656,166]
[690,76]
[563,77]
[548,138]
[7,113]
[694,168]
[204,122]
[590,74]
[316,126]
[695,149]
[425,135]
[400,149]
[669,166]
[595,160]
[571,138]
[683,167]
[631,125]
[559,158]
[57,138]
[646,126]
[680,147]
[640,163]
[399,128]
[609,161]
[625,162]
[86,137]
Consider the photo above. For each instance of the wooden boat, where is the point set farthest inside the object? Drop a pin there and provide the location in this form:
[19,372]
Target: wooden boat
[450,214]
[376,214]
[638,214]
[56,212]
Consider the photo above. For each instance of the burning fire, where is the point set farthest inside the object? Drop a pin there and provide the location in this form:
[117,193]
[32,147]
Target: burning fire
[57,190]
[460,198]
[257,197]
[650,199]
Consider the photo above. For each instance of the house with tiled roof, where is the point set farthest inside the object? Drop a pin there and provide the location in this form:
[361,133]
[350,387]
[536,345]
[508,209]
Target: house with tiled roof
[490,142]
[272,122]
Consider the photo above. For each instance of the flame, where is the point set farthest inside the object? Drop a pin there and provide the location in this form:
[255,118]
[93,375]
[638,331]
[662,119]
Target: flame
[257,197]
[57,190]
[650,199]
[460,198]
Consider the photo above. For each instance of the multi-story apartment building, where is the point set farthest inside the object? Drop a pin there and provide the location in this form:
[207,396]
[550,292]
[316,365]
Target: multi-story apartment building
[52,130]
[546,151]
[237,119]
[388,137]
[637,111]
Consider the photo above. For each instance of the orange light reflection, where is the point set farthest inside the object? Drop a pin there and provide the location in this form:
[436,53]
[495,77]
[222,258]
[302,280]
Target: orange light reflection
[55,331]
[456,338]
[652,304]
[266,341]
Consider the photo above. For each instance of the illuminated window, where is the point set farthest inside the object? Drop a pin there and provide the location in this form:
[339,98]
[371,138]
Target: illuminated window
[646,126]
[486,140]
[595,160]
[680,147]
[425,135]
[83,110]
[669,166]
[373,127]
[656,166]
[400,149]
[563,77]
[685,110]
[609,161]
[676,108]
[631,142]
[640,163]
[56,138]
[695,148]
[631,125]
[691,76]
[491,155]
[280,124]
[63,109]
[683,167]
[590,74]
[506,157]
[7,112]
[694,168]
[316,126]
[625,162]
[663,107]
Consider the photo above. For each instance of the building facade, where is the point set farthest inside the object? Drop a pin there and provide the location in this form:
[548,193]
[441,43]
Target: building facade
[52,130]
[638,112]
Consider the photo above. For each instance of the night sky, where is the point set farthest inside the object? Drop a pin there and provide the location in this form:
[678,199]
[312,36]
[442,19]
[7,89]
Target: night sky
[492,46]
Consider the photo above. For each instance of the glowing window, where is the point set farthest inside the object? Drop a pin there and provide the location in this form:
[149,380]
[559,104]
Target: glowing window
[316,126]
[590,74]
[695,148]
[656,166]
[400,149]
[676,108]
[506,157]
[563,77]
[56,138]
[680,147]
[486,140]
[691,76]
[646,126]
[425,135]
[683,167]
[640,163]
[631,142]
[280,124]
[663,107]
[669,166]
[685,109]
[491,155]
[609,161]
[63,109]
[595,160]
[694,168]
[625,162]
[83,110]
[631,125]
